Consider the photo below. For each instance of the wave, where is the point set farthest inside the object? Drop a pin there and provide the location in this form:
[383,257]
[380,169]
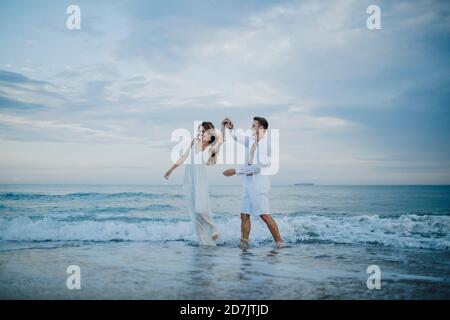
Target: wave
[116,209]
[81,195]
[407,231]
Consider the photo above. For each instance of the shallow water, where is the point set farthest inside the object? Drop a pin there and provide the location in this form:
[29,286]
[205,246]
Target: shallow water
[409,217]
[137,242]
[175,270]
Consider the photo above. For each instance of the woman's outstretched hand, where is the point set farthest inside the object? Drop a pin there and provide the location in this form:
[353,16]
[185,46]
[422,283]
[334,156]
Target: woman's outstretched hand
[167,174]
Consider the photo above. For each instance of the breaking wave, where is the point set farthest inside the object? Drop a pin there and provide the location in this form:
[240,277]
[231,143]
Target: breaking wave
[406,231]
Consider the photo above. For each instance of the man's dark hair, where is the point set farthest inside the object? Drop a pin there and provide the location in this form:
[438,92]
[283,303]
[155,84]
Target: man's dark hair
[262,121]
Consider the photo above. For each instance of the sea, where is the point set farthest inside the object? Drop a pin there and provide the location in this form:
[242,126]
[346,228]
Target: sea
[138,242]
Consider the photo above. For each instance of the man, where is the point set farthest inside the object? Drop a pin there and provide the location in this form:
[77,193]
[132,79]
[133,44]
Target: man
[256,183]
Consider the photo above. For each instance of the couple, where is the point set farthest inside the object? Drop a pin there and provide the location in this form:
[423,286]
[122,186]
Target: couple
[204,151]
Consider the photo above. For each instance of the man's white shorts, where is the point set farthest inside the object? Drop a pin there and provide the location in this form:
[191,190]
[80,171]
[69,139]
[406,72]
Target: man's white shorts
[255,203]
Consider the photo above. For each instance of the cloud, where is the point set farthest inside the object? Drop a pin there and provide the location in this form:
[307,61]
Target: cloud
[19,90]
[13,77]
[298,122]
[339,92]
[60,128]
[15,105]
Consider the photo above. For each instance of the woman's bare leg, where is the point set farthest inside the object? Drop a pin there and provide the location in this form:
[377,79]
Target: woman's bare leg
[207,219]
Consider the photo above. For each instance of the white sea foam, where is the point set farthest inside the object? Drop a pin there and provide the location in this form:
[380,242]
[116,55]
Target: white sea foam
[409,231]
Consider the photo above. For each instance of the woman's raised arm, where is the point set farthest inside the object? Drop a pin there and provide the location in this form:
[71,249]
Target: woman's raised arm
[180,161]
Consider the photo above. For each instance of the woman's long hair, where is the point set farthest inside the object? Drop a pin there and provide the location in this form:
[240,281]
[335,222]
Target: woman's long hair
[209,127]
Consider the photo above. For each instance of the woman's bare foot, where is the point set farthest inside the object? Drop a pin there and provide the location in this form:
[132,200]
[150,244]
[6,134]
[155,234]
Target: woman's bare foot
[215,237]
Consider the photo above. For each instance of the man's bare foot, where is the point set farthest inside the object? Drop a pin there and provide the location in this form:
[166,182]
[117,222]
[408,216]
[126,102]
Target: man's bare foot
[244,247]
[244,244]
[215,237]
[279,244]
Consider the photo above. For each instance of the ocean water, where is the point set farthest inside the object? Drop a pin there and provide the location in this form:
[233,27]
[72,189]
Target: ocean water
[137,242]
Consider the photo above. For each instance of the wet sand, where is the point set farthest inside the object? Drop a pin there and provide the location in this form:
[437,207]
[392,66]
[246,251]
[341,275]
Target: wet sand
[176,270]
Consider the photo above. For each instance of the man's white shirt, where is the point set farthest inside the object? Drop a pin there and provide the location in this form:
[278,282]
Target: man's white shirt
[253,174]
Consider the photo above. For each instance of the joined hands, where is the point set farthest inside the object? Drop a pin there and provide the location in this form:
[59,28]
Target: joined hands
[227,123]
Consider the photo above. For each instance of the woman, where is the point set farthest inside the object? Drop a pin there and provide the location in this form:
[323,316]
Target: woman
[202,151]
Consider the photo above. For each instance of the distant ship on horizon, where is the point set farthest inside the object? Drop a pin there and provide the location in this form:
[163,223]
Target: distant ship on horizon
[303,184]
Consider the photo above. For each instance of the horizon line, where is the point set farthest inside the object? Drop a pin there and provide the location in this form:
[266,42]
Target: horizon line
[231,185]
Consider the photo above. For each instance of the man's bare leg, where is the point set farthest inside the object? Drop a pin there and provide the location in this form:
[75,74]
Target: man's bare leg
[245,229]
[273,227]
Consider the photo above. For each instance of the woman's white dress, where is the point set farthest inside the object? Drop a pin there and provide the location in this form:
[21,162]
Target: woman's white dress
[197,195]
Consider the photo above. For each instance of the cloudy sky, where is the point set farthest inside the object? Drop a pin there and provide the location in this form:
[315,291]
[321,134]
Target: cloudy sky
[98,105]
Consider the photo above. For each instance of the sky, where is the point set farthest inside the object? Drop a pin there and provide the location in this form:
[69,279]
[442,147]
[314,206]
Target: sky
[98,105]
